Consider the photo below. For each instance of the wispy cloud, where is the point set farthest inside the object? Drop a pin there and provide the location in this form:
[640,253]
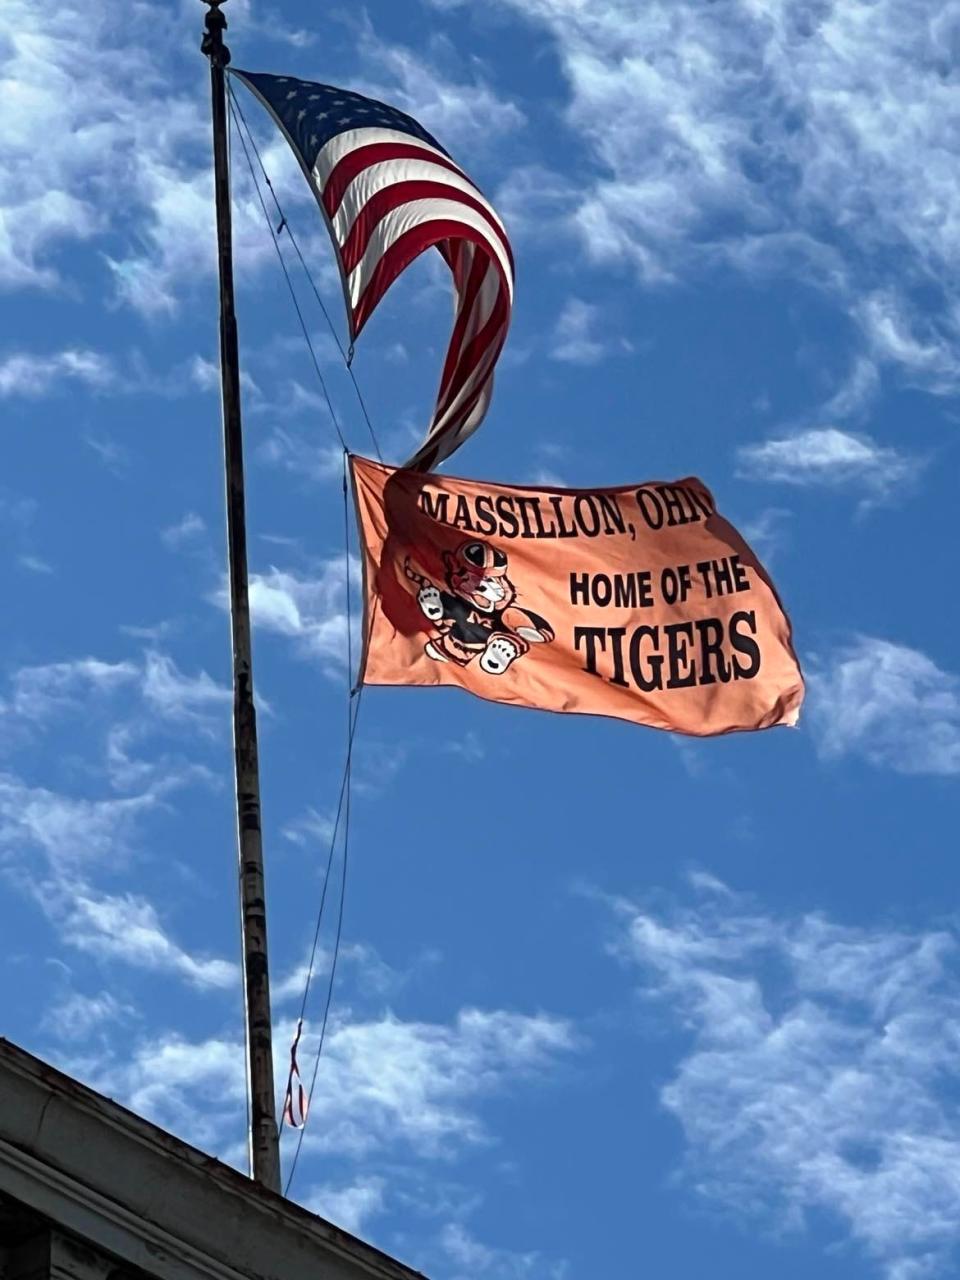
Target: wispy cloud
[184,532]
[818,1070]
[194,1088]
[450,99]
[350,1206]
[56,841]
[26,374]
[39,692]
[34,564]
[176,696]
[126,927]
[576,337]
[890,704]
[819,144]
[300,457]
[387,1085]
[766,532]
[310,827]
[830,458]
[389,1081]
[71,830]
[96,142]
[78,1017]
[922,344]
[310,610]
[467,1257]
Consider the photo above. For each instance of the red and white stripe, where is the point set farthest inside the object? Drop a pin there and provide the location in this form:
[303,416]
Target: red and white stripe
[388,196]
[296,1100]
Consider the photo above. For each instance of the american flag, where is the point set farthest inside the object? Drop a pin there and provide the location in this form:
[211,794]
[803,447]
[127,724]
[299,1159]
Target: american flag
[296,1100]
[388,191]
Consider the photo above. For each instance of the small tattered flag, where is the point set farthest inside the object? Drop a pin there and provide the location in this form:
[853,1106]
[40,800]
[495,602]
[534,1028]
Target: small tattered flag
[296,1101]
[389,191]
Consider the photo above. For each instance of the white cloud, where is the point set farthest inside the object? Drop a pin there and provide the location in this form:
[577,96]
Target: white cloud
[176,696]
[888,703]
[388,1081]
[465,115]
[382,1085]
[41,691]
[923,346]
[819,1070]
[469,1257]
[70,830]
[308,610]
[126,927]
[185,531]
[575,339]
[196,1089]
[350,1206]
[821,142]
[26,374]
[856,392]
[830,458]
[370,974]
[34,563]
[78,1016]
[310,828]
[301,458]
[766,532]
[95,141]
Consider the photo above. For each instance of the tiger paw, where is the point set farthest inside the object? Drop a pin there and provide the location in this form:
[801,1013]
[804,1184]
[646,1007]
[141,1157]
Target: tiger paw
[498,655]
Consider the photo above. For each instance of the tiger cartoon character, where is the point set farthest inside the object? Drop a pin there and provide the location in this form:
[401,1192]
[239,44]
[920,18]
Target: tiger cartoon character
[475,617]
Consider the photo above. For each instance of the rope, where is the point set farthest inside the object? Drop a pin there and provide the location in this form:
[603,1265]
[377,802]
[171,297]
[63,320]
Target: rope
[286,275]
[284,225]
[343,809]
[345,793]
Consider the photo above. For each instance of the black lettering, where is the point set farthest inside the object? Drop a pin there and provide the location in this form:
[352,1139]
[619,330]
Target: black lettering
[579,586]
[602,590]
[565,530]
[590,636]
[616,635]
[740,580]
[610,510]
[483,514]
[744,644]
[434,505]
[676,512]
[586,500]
[543,531]
[679,637]
[625,591]
[711,647]
[655,661]
[509,524]
[461,518]
[523,504]
[650,508]
[722,576]
[700,500]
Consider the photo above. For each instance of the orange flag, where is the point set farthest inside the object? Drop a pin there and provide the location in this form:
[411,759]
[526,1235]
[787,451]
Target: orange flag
[639,602]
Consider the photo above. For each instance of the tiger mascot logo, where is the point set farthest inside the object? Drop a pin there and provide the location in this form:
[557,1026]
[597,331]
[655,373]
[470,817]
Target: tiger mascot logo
[475,617]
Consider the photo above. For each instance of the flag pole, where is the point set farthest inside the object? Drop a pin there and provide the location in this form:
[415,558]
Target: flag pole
[263,1138]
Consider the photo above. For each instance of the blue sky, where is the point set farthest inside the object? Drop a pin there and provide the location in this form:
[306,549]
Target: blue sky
[647,1006]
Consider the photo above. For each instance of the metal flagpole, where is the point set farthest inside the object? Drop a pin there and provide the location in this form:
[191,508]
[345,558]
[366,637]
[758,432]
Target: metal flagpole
[264,1145]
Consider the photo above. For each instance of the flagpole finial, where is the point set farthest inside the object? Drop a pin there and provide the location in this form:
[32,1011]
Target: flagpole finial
[214,26]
